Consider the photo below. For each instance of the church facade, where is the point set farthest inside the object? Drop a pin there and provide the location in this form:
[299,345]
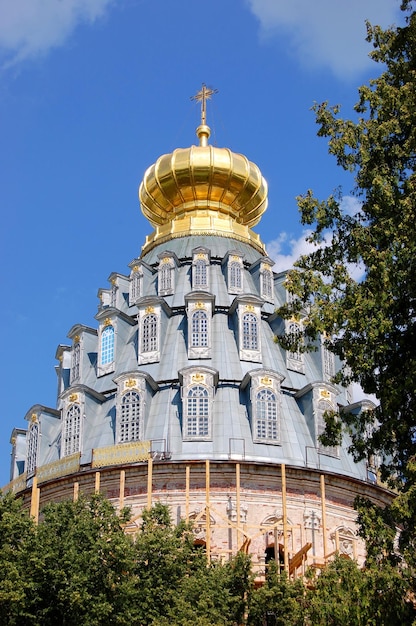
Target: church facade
[179,392]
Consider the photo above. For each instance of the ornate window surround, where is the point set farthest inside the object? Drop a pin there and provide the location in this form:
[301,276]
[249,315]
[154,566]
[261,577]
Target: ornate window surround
[168,262]
[265,411]
[201,269]
[197,391]
[198,304]
[142,384]
[248,309]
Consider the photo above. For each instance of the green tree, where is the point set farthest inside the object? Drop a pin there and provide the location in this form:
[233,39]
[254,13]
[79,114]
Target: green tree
[17,535]
[342,595]
[280,602]
[371,321]
[83,566]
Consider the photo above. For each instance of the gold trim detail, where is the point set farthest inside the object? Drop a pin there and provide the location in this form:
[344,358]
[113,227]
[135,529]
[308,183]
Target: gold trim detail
[73,397]
[249,307]
[267,381]
[65,466]
[198,377]
[149,309]
[107,322]
[324,393]
[16,485]
[120,454]
[131,382]
[200,305]
[135,268]
[33,418]
[76,339]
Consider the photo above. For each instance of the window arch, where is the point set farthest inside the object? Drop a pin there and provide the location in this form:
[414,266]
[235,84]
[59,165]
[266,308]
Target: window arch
[250,332]
[199,329]
[32,447]
[267,284]
[130,420]
[235,275]
[200,274]
[76,360]
[107,345]
[266,415]
[72,430]
[322,407]
[135,286]
[149,333]
[166,278]
[197,418]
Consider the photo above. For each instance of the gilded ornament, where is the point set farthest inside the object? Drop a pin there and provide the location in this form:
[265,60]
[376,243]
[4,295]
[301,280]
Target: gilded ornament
[149,309]
[107,322]
[131,382]
[267,381]
[199,305]
[198,377]
[249,307]
[136,268]
[33,418]
[73,397]
[76,339]
[324,393]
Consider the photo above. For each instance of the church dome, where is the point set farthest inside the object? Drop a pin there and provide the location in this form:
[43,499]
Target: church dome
[203,177]
[203,190]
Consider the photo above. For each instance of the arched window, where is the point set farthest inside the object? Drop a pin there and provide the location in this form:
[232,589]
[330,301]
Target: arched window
[294,333]
[149,333]
[32,447]
[107,345]
[129,425]
[200,274]
[250,332]
[199,330]
[135,286]
[267,284]
[266,415]
[76,358]
[328,363]
[323,406]
[165,278]
[235,277]
[114,289]
[197,412]
[72,429]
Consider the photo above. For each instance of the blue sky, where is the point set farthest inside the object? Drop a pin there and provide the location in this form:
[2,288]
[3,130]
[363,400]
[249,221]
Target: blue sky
[93,91]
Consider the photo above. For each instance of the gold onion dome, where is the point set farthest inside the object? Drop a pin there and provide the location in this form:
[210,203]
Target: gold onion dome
[203,190]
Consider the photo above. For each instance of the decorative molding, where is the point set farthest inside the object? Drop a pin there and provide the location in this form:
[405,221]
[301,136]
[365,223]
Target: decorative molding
[65,466]
[120,454]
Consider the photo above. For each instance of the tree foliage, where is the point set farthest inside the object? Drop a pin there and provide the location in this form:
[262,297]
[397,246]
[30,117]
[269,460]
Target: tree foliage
[77,566]
[372,320]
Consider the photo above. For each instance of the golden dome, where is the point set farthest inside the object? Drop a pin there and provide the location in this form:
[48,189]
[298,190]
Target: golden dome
[203,190]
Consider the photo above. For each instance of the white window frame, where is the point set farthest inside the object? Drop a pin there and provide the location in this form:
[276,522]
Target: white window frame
[266,282]
[200,264]
[76,360]
[109,359]
[235,278]
[322,405]
[328,362]
[135,286]
[149,345]
[130,421]
[265,405]
[33,439]
[198,349]
[72,427]
[294,360]
[197,391]
[249,332]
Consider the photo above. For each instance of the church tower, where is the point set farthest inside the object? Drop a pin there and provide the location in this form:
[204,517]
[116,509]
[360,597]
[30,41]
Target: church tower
[178,391]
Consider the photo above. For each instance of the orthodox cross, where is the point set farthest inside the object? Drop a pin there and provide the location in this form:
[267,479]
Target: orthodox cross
[202,96]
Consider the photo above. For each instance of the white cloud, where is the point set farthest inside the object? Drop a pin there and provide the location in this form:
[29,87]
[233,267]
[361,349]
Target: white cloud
[32,27]
[326,33]
[284,251]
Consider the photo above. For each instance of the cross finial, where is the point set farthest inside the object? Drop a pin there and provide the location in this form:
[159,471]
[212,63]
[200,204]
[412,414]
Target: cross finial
[202,96]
